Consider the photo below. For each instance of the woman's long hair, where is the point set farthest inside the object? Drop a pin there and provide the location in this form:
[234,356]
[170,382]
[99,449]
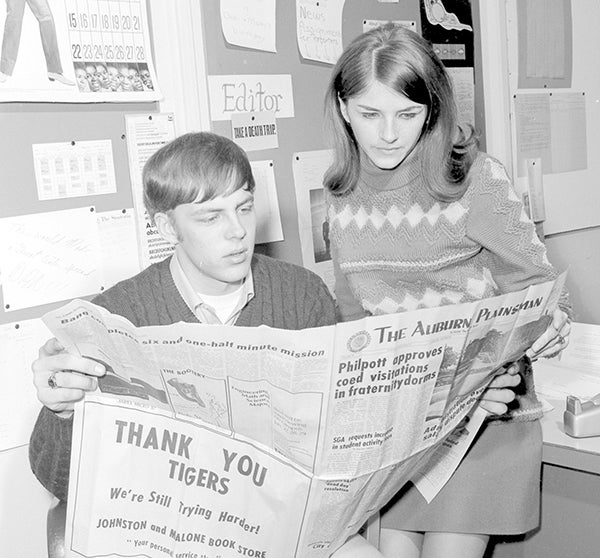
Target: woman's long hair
[403,61]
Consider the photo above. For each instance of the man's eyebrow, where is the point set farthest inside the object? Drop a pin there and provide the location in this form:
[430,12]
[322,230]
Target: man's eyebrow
[245,202]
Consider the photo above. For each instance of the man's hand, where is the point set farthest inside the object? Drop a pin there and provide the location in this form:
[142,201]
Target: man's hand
[61,379]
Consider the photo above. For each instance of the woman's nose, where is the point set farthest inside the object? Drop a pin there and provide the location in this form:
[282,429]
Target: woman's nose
[389,130]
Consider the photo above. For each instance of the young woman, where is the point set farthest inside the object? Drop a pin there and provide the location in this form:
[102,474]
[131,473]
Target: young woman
[418,217]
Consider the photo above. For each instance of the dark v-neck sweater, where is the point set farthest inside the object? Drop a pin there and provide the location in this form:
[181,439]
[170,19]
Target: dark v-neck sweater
[286,296]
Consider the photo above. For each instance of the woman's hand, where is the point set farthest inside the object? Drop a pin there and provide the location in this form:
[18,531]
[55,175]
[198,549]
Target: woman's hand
[499,393]
[554,339]
[61,379]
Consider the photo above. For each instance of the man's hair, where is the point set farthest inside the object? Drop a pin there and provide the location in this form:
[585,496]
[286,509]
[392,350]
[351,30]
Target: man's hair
[406,63]
[194,167]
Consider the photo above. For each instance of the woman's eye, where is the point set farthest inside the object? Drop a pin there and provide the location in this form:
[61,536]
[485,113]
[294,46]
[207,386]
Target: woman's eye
[370,114]
[407,115]
[247,208]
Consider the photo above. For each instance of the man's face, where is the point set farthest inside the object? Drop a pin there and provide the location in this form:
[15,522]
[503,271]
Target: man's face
[135,79]
[103,77]
[124,79]
[82,79]
[146,79]
[114,80]
[93,78]
[214,240]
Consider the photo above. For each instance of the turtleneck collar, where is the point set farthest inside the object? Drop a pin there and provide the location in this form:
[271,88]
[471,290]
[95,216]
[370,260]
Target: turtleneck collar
[376,178]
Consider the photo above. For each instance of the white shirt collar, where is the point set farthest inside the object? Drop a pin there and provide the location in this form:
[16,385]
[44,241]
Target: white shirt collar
[204,312]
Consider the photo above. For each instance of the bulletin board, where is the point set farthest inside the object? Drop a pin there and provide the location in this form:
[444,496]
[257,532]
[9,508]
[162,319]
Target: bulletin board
[304,132]
[26,124]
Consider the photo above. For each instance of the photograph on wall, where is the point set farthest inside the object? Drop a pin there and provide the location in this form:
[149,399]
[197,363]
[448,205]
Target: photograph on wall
[308,168]
[74,51]
[320,225]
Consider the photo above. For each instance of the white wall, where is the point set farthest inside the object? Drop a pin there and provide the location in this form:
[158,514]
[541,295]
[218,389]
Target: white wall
[576,250]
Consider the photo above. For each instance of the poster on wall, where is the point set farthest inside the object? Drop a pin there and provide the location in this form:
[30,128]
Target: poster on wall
[147,133]
[76,51]
[309,168]
[448,25]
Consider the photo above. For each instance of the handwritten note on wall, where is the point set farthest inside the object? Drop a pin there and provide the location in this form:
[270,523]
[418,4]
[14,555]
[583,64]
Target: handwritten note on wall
[236,93]
[49,257]
[319,29]
[249,24]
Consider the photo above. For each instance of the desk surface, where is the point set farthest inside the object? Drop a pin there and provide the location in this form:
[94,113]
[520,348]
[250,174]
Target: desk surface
[561,449]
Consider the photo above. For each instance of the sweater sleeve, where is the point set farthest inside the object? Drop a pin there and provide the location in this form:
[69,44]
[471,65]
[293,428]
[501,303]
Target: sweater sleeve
[321,310]
[515,256]
[50,451]
[497,221]
[50,443]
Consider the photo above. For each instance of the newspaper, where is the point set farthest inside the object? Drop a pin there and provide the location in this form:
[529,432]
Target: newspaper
[207,441]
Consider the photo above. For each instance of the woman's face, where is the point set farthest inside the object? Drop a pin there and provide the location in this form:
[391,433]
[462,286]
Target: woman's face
[386,124]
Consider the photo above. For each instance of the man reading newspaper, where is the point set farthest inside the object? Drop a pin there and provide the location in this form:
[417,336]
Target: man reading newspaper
[199,191]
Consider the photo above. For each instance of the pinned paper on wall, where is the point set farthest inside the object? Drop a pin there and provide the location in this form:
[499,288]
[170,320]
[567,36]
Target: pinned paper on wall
[319,29]
[49,257]
[19,405]
[545,30]
[249,24]
[119,255]
[309,168]
[254,131]
[146,133]
[268,219]
[551,127]
[463,81]
[237,93]
[535,191]
[75,168]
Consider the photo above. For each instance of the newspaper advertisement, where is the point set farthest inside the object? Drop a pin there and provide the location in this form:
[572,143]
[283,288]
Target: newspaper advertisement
[231,441]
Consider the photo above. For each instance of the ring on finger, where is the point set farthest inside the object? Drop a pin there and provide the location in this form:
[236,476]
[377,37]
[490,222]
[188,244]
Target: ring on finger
[561,339]
[52,380]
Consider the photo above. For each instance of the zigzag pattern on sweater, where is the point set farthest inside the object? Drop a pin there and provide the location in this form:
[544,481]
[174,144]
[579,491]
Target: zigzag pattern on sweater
[396,217]
[388,299]
[430,299]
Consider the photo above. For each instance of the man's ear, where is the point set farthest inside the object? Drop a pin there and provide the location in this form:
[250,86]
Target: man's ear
[166,228]
[343,109]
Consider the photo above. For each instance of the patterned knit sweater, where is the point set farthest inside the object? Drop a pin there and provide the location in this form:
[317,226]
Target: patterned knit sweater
[396,249]
[286,296]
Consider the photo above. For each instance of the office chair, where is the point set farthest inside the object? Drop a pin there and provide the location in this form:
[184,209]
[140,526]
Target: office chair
[55,529]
